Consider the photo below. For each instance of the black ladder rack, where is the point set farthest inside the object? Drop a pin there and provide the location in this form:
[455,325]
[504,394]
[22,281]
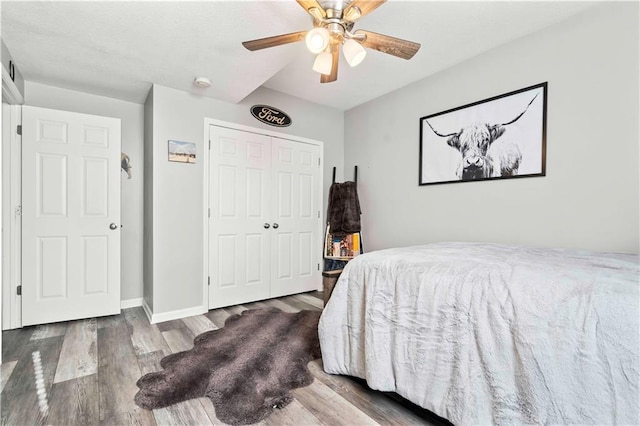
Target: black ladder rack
[355,175]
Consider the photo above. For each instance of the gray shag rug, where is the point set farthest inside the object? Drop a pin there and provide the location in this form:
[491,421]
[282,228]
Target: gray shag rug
[247,368]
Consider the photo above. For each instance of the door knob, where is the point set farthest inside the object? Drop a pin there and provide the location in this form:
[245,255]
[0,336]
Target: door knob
[275,226]
[113,226]
[266,226]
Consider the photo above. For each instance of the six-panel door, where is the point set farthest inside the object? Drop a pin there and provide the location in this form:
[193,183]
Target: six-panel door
[70,216]
[295,191]
[239,184]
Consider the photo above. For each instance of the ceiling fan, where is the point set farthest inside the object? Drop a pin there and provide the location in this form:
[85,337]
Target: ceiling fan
[333,21]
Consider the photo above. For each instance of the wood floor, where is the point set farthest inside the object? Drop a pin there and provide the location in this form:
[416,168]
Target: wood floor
[84,373]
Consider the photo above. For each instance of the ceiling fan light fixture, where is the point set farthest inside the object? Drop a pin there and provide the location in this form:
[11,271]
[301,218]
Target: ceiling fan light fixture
[353,14]
[317,39]
[332,30]
[316,13]
[353,52]
[323,63]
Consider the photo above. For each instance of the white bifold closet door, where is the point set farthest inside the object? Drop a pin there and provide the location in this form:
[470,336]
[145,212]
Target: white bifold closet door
[263,238]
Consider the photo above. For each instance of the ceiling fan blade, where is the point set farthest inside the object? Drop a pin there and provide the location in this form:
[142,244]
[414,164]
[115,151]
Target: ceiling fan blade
[263,43]
[365,6]
[386,44]
[308,5]
[334,49]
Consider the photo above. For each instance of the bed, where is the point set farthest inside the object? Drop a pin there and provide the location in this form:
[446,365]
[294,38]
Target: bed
[491,334]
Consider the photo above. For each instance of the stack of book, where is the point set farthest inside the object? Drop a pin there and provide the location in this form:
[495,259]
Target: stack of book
[343,247]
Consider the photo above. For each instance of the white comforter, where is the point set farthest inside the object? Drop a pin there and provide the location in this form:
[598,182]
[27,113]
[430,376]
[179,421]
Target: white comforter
[485,333]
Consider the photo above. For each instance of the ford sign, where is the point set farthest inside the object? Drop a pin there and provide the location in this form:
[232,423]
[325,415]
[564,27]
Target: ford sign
[270,115]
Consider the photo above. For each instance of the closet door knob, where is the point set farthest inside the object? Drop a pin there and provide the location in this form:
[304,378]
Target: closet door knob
[275,226]
[266,226]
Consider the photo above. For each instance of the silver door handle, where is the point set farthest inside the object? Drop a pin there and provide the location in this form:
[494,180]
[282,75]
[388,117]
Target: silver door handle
[113,226]
[266,226]
[275,226]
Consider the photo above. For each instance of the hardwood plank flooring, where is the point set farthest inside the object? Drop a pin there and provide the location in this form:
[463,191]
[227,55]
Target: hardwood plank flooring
[294,414]
[179,339]
[79,356]
[314,301]
[97,362]
[49,330]
[14,343]
[299,304]
[199,324]
[117,376]
[217,317]
[5,372]
[73,402]
[328,405]
[374,404]
[25,396]
[144,336]
[110,320]
[284,307]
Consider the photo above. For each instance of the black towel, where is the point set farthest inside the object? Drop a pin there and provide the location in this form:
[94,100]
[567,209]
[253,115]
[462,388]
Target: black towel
[343,212]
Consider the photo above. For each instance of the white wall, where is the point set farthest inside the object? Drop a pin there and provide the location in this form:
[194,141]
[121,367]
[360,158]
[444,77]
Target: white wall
[589,198]
[177,199]
[131,116]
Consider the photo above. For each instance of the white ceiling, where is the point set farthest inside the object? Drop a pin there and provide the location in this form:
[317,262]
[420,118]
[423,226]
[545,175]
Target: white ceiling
[118,49]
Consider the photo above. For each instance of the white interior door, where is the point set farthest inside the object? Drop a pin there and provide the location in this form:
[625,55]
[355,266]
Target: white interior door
[239,185]
[296,213]
[70,216]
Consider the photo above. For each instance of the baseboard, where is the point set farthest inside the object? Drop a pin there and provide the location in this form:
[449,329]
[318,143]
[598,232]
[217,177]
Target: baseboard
[147,309]
[131,303]
[172,315]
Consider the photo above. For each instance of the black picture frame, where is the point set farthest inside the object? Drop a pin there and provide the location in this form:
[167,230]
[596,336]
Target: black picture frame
[501,137]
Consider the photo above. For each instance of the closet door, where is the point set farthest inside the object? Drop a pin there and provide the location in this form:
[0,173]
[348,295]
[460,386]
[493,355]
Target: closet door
[295,243]
[239,243]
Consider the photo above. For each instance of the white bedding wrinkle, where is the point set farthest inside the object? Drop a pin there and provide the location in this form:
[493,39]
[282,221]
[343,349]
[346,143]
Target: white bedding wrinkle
[492,334]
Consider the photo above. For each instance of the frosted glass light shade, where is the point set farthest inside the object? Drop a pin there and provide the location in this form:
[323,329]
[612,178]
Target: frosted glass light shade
[317,39]
[353,52]
[323,63]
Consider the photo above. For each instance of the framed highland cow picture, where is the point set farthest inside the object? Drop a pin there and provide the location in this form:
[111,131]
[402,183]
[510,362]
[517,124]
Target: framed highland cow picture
[496,138]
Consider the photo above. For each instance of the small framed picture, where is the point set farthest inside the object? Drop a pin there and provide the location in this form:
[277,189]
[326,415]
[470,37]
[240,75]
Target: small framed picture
[182,152]
[496,138]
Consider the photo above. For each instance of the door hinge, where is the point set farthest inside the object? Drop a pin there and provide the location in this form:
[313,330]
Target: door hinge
[19,211]
[318,266]
[19,129]
[208,280]
[318,161]
[209,212]
[209,143]
[19,290]
[318,214]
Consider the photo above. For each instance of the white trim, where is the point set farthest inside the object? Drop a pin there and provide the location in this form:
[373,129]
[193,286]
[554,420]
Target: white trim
[1,219]
[147,309]
[9,89]
[321,222]
[205,195]
[11,200]
[131,303]
[266,132]
[205,216]
[172,315]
